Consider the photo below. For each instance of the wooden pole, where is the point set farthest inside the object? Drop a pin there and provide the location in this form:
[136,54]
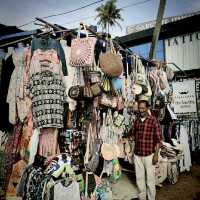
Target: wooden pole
[157,28]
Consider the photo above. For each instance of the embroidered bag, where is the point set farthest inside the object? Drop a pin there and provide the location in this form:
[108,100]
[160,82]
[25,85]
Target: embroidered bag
[82,51]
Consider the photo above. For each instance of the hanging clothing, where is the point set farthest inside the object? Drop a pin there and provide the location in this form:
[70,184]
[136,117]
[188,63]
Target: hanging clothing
[15,177]
[68,80]
[50,44]
[7,70]
[47,94]
[34,179]
[45,60]
[185,163]
[71,191]
[19,106]
[33,145]
[11,153]
[2,57]
[48,142]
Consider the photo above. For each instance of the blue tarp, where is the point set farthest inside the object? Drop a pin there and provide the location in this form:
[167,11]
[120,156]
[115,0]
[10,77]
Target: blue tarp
[15,35]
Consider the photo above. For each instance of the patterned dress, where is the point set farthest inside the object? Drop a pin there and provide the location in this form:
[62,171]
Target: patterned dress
[46,89]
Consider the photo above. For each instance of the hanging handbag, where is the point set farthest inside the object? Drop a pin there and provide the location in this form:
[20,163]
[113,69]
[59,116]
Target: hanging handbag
[106,86]
[76,91]
[87,92]
[109,101]
[95,76]
[140,73]
[118,119]
[117,84]
[95,73]
[110,62]
[120,103]
[96,89]
[93,163]
[82,51]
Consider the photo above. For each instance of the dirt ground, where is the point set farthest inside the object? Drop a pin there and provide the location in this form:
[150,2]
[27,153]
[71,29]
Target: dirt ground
[187,187]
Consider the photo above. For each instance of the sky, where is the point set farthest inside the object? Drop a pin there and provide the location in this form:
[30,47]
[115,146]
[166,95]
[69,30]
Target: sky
[19,12]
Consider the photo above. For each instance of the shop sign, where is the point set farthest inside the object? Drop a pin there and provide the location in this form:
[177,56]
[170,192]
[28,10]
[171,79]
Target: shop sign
[184,97]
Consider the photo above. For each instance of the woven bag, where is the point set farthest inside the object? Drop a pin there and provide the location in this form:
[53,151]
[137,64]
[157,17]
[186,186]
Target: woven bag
[82,51]
[111,63]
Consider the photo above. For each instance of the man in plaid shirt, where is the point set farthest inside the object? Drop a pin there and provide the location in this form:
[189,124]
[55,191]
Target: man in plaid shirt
[147,137]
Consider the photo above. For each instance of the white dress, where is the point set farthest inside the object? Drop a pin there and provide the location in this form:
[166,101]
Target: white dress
[185,163]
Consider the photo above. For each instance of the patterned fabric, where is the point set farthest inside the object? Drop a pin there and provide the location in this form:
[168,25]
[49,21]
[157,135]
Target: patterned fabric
[47,93]
[45,60]
[11,154]
[147,134]
[23,181]
[34,180]
[50,44]
[26,136]
[72,143]
[17,171]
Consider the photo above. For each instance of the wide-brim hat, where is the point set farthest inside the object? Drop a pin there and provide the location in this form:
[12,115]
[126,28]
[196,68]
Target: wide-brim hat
[176,146]
[144,98]
[108,151]
[137,89]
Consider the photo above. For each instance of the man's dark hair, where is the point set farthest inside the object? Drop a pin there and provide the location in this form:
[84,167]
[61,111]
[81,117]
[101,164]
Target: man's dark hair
[145,102]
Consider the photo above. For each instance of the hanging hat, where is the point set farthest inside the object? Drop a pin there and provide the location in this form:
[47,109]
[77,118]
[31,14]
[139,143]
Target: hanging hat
[137,89]
[176,146]
[108,151]
[144,98]
[149,91]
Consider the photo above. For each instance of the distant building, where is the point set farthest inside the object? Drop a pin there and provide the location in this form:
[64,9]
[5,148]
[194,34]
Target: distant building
[179,41]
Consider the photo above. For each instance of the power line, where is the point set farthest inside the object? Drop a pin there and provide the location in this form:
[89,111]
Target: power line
[124,7]
[134,4]
[67,12]
[82,7]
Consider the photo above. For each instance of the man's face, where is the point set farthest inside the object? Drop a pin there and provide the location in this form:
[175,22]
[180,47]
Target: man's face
[143,109]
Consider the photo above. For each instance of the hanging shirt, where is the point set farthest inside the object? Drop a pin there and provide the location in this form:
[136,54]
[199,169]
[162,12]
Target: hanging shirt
[49,44]
[70,192]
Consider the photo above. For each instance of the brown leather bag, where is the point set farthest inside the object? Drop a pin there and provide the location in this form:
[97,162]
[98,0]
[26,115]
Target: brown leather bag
[96,89]
[110,62]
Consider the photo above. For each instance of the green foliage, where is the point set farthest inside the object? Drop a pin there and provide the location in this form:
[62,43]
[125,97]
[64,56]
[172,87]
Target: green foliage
[108,15]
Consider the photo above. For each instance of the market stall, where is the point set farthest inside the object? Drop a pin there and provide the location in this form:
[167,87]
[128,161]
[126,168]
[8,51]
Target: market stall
[65,110]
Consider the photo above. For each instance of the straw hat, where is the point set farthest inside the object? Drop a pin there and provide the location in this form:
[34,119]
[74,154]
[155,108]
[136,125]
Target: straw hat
[137,89]
[144,98]
[108,151]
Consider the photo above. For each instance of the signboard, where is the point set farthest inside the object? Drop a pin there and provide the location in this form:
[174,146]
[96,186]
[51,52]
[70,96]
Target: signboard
[184,97]
[184,51]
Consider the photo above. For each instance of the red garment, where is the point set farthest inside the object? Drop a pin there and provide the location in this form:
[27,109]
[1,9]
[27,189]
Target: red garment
[146,135]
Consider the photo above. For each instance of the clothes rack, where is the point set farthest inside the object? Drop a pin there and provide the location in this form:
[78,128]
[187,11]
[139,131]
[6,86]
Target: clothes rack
[30,37]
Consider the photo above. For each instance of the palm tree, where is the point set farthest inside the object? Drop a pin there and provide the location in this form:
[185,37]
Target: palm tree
[109,15]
